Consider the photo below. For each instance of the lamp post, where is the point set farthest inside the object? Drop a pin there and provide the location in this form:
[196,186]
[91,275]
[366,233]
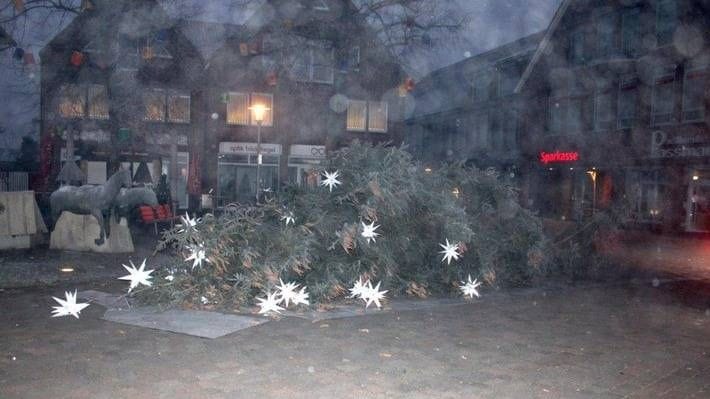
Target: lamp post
[258,111]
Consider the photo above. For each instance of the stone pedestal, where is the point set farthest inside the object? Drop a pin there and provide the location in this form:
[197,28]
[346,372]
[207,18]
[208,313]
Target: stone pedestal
[78,232]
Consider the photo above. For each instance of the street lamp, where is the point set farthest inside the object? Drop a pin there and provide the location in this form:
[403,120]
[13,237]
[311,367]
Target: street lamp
[258,111]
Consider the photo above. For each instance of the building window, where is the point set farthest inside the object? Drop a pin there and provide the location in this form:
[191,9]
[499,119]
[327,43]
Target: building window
[481,86]
[320,5]
[576,46]
[603,114]
[98,102]
[694,83]
[161,105]
[479,131]
[154,105]
[80,101]
[663,101]
[315,63]
[357,115]
[605,35]
[377,116]
[238,109]
[566,115]
[508,77]
[558,112]
[367,116]
[631,32]
[510,129]
[666,21]
[628,94]
[354,60]
[238,112]
[179,108]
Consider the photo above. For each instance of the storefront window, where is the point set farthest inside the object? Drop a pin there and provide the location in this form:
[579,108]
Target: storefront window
[237,177]
[645,190]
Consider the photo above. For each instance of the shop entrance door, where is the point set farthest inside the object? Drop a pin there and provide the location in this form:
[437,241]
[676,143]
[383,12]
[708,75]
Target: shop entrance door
[698,206]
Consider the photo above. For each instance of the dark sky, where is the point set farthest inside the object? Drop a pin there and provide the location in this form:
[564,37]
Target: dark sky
[493,22]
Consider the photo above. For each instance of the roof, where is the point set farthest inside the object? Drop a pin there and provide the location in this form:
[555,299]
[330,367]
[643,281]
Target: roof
[544,43]
[443,90]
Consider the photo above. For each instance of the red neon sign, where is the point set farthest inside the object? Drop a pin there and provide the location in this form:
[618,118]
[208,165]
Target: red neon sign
[558,157]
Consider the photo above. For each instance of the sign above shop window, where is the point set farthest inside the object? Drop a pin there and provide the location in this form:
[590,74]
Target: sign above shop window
[558,157]
[308,151]
[678,146]
[227,147]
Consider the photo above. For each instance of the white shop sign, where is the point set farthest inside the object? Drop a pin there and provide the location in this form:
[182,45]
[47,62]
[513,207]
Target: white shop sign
[308,151]
[227,147]
[678,147]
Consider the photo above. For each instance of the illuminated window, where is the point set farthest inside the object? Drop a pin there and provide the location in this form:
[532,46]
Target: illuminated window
[154,105]
[98,102]
[179,108]
[357,115]
[377,116]
[238,112]
[72,101]
[161,105]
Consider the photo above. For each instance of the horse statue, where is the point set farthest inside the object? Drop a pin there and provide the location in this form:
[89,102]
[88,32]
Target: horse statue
[129,198]
[90,200]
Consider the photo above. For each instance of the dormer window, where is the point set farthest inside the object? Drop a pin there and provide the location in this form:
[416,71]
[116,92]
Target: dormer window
[155,46]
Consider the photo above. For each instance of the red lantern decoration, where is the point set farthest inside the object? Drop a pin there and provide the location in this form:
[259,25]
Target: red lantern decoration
[409,84]
[77,58]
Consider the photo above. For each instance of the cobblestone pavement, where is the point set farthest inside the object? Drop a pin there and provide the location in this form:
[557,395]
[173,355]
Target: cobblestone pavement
[577,342]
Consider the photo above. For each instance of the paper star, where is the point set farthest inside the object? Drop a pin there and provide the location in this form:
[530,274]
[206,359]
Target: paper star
[451,251]
[358,288]
[68,307]
[137,276]
[269,304]
[289,218]
[331,180]
[373,295]
[470,287]
[197,256]
[368,231]
[301,297]
[286,292]
[188,223]
[170,277]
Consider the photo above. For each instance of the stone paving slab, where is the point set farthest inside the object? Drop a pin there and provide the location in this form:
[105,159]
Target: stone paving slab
[191,322]
[397,305]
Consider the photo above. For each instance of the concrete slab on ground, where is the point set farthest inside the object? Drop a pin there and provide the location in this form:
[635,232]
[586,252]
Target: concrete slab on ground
[191,322]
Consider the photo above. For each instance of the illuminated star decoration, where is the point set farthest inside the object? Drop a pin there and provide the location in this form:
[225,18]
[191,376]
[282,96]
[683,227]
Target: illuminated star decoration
[289,218]
[372,295]
[368,231]
[470,287]
[286,292]
[68,307]
[137,276]
[300,297]
[358,288]
[451,251]
[188,223]
[197,256]
[270,303]
[331,180]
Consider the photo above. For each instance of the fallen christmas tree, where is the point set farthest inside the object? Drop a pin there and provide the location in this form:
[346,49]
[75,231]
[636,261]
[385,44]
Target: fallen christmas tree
[380,217]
